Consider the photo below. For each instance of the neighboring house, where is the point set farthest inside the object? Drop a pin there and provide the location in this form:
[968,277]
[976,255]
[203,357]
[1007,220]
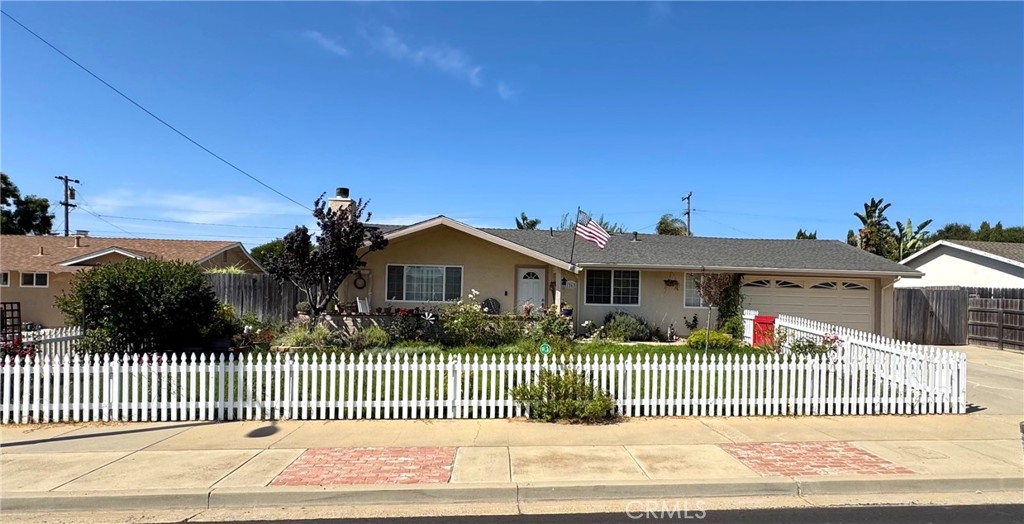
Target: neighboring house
[968,263]
[441,259]
[34,270]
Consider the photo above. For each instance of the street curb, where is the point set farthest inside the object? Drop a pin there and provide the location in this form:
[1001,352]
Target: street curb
[363,494]
[905,484]
[501,493]
[565,491]
[49,501]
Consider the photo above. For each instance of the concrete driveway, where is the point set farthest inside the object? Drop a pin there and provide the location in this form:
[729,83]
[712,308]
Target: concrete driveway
[995,381]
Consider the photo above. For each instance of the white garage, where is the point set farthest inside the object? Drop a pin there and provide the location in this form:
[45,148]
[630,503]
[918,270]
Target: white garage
[840,301]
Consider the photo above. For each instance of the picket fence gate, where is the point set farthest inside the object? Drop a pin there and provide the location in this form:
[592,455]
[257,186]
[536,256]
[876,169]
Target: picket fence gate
[55,341]
[427,386]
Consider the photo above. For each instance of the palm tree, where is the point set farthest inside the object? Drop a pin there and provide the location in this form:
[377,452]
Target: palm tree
[671,225]
[523,222]
[875,234]
[910,239]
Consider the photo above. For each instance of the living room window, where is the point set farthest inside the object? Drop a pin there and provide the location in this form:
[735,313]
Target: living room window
[607,286]
[422,283]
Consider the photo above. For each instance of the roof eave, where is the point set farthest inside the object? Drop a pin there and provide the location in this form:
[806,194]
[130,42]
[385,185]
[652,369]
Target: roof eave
[966,249]
[772,270]
[483,235]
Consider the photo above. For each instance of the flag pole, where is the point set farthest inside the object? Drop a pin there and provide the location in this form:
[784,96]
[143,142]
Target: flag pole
[576,223]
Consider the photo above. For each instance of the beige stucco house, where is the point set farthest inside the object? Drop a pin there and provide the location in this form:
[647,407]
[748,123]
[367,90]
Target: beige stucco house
[34,270]
[439,260]
[968,263]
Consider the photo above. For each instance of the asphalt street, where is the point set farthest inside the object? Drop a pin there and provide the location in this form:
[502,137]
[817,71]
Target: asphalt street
[987,514]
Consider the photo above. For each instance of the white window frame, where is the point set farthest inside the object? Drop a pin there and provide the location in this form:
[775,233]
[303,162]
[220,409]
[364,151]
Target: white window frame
[687,284]
[444,284]
[7,277]
[611,295]
[34,274]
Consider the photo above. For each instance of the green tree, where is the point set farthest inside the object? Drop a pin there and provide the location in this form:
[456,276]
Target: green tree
[952,231]
[909,239]
[264,253]
[875,235]
[142,306]
[524,222]
[804,235]
[22,216]
[671,225]
[985,232]
[319,268]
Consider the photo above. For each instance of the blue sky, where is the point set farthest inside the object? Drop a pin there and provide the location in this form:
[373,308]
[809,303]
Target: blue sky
[777,116]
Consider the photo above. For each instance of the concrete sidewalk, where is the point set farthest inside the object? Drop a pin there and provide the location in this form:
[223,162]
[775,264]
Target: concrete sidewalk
[301,463]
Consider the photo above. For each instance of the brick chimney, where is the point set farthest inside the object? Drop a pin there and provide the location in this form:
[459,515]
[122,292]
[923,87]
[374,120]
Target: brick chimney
[340,200]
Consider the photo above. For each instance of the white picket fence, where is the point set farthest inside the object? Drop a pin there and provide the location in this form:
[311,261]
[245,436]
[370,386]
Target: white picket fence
[917,376]
[375,386]
[55,342]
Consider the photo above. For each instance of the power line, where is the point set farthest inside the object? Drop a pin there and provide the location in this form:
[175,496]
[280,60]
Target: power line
[150,113]
[87,210]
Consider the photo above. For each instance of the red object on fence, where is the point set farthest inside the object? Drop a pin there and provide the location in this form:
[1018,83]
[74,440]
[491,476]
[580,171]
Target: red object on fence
[764,329]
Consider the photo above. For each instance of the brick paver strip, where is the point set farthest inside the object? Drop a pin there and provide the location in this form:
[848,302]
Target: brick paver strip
[333,466]
[795,459]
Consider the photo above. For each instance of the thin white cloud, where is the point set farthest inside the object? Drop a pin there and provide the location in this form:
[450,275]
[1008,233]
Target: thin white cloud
[659,11]
[329,44]
[507,92]
[441,57]
[400,220]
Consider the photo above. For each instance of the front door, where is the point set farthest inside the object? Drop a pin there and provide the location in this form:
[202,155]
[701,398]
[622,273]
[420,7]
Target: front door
[530,287]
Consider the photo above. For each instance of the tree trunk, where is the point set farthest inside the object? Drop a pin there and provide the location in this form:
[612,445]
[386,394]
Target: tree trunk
[707,339]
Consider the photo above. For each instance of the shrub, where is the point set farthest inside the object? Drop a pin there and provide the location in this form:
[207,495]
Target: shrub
[716,340]
[298,335]
[466,324]
[807,346]
[569,395]
[144,305]
[734,326]
[303,308]
[551,327]
[376,337]
[622,326]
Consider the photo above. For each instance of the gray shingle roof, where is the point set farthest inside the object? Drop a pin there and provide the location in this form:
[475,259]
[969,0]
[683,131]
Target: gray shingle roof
[665,251]
[696,252]
[1010,250]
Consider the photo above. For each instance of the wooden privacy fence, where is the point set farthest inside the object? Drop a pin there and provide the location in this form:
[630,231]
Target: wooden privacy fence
[259,294]
[996,322]
[933,315]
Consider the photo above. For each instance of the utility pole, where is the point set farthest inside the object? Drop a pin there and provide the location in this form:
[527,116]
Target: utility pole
[689,232]
[69,195]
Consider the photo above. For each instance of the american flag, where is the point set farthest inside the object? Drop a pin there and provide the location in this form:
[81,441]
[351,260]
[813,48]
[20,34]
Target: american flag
[588,229]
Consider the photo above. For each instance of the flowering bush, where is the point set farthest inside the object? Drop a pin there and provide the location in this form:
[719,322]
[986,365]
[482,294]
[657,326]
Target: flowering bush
[806,346]
[467,323]
[17,348]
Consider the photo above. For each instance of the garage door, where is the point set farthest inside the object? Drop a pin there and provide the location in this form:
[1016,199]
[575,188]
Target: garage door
[843,302]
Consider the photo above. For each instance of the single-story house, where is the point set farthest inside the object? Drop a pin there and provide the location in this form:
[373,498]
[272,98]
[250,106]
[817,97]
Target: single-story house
[968,263]
[441,259]
[34,270]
